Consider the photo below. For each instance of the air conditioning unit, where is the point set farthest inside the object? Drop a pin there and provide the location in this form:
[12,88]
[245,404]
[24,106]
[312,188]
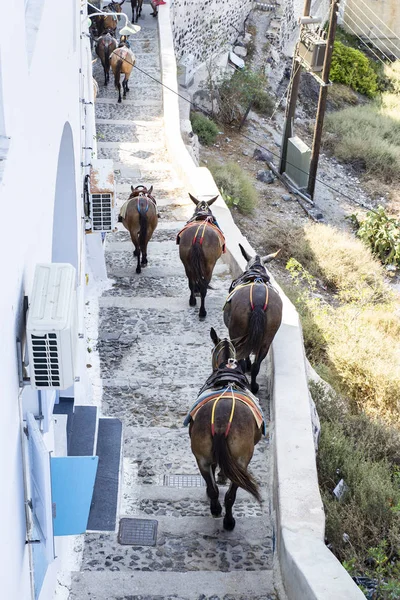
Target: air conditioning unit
[102,195]
[52,333]
[312,49]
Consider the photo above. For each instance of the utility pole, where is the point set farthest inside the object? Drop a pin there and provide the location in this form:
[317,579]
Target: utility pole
[292,101]
[323,94]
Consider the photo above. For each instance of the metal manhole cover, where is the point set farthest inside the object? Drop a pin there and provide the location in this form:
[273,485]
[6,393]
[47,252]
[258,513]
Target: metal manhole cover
[184,481]
[137,532]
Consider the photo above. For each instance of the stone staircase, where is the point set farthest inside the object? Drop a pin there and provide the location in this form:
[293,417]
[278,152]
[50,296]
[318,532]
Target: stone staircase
[154,356]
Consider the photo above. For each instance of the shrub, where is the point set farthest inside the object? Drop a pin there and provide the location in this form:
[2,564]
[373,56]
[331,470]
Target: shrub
[353,68]
[382,234]
[236,187]
[368,137]
[366,455]
[204,128]
[236,92]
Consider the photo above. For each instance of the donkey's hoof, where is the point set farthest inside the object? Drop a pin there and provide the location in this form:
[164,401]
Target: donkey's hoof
[136,253]
[192,301]
[254,388]
[216,510]
[138,270]
[202,315]
[229,524]
[119,100]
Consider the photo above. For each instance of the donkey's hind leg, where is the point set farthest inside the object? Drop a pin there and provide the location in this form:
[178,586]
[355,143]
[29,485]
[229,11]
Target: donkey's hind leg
[212,489]
[202,311]
[192,299]
[230,497]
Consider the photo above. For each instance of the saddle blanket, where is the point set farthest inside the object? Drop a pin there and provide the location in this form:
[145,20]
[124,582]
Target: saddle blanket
[199,226]
[124,208]
[243,396]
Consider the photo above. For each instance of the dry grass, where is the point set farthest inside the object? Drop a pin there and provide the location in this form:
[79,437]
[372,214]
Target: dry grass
[340,96]
[368,137]
[353,340]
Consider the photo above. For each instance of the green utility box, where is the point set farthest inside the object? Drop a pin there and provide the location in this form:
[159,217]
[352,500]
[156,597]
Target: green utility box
[298,162]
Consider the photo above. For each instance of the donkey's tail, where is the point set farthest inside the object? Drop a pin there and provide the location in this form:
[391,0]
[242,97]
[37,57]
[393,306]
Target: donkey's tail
[252,342]
[117,74]
[142,226]
[197,262]
[107,59]
[231,468]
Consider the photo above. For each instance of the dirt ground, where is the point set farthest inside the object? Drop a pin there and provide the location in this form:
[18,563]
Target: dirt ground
[340,191]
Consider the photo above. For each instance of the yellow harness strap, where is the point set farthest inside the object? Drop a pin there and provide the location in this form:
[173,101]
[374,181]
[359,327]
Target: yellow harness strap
[230,416]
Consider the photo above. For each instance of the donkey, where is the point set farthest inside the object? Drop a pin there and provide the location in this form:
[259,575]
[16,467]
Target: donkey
[122,61]
[104,22]
[138,4]
[106,44]
[253,313]
[201,243]
[139,216]
[225,425]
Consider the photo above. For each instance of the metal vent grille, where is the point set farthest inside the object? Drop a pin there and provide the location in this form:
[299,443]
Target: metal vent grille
[183,481]
[46,360]
[102,212]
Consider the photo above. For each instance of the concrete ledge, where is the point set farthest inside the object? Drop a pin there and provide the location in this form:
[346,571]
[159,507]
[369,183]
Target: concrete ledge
[309,570]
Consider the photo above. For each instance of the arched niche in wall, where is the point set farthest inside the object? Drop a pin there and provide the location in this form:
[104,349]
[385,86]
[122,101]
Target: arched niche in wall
[65,228]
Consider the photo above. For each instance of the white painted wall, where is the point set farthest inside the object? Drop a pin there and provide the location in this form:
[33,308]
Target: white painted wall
[40,88]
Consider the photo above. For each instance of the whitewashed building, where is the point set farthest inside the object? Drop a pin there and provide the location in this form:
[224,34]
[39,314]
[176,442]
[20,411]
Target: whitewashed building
[46,144]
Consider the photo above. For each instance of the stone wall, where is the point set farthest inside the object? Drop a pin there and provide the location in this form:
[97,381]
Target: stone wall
[202,27]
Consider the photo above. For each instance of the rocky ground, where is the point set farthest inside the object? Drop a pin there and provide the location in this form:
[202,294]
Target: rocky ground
[153,355]
[340,190]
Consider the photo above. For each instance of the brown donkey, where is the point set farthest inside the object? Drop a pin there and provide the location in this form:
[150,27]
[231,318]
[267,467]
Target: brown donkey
[225,425]
[139,216]
[253,313]
[122,62]
[105,45]
[201,243]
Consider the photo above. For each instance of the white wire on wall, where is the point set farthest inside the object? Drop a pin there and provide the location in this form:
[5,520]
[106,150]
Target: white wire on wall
[378,34]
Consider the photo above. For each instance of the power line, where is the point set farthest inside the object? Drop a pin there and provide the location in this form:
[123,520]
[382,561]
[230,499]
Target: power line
[374,27]
[366,45]
[383,23]
[370,32]
[198,107]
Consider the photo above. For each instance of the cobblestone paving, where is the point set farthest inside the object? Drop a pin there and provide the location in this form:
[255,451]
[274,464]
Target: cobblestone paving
[155,355]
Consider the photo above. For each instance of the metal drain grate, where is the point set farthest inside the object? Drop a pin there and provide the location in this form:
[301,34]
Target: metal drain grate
[184,481]
[137,532]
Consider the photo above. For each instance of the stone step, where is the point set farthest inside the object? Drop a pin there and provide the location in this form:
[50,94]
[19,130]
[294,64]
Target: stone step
[126,110]
[194,585]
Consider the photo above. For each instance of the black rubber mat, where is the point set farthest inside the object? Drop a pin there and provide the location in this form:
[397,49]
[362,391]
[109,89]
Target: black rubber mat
[81,440]
[103,512]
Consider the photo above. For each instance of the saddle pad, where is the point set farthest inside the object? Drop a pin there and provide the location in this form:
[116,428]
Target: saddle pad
[245,397]
[200,224]
[239,287]
[124,208]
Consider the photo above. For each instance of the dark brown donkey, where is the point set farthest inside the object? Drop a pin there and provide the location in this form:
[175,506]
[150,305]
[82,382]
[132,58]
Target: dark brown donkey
[138,4]
[139,216]
[201,243]
[225,425]
[105,45]
[104,22]
[253,313]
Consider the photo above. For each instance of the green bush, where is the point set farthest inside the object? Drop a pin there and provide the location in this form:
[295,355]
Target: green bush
[204,128]
[382,234]
[236,187]
[353,68]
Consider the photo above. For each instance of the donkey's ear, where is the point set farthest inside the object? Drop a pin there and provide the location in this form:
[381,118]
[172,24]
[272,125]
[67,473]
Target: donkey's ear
[214,336]
[270,257]
[150,190]
[212,200]
[193,199]
[243,251]
[132,188]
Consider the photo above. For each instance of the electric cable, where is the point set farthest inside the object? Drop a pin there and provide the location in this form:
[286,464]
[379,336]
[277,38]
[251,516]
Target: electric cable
[370,33]
[374,26]
[208,114]
[383,23]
